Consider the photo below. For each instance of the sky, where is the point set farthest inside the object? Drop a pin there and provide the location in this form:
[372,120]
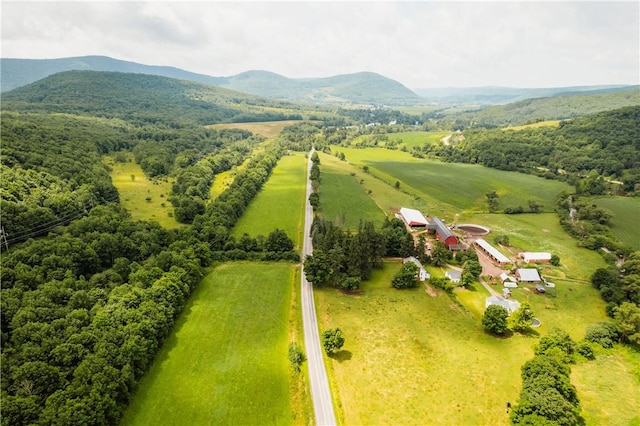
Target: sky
[423,44]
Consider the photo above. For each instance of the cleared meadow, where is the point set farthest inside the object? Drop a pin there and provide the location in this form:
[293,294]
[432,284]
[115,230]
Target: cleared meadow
[626,217]
[343,198]
[280,203]
[226,361]
[269,129]
[134,189]
[451,188]
[417,139]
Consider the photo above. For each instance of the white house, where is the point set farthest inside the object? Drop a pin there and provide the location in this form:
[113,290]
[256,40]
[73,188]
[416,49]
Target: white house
[509,305]
[453,275]
[422,273]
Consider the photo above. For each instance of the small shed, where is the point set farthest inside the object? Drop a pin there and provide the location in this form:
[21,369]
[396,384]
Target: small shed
[508,280]
[540,289]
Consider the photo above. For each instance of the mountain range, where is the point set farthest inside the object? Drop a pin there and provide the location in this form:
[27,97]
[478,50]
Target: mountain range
[358,88]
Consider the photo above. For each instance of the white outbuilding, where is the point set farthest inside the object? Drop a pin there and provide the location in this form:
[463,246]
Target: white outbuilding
[413,218]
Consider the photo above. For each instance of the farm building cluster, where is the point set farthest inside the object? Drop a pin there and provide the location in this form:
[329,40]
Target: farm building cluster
[492,259]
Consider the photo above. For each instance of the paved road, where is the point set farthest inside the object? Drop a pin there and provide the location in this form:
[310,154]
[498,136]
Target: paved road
[322,404]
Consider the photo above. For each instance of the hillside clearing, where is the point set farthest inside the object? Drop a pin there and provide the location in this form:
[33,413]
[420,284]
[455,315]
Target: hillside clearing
[269,129]
[145,199]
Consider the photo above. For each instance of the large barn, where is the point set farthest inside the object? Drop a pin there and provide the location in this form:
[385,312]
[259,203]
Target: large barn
[535,257]
[413,218]
[443,233]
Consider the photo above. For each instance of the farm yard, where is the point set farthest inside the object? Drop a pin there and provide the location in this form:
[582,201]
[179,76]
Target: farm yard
[436,335]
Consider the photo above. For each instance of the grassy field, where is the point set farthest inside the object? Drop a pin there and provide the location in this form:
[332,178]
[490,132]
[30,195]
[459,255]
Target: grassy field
[226,361]
[433,355]
[280,203]
[608,392]
[269,129]
[547,123]
[343,198]
[626,215]
[418,139]
[410,358]
[134,189]
[445,188]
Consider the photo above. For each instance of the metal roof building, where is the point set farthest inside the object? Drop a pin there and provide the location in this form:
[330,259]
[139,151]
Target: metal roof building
[492,252]
[413,217]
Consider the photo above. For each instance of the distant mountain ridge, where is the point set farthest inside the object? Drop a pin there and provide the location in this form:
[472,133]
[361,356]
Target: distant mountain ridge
[496,95]
[358,88]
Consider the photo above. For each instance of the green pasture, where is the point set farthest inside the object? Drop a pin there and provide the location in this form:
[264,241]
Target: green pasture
[134,188]
[609,393]
[450,188]
[226,361]
[410,358]
[280,203]
[418,139]
[343,198]
[626,218]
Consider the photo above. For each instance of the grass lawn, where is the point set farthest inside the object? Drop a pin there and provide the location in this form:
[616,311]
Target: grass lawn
[226,361]
[626,215]
[343,198]
[410,358]
[280,203]
[134,188]
[450,188]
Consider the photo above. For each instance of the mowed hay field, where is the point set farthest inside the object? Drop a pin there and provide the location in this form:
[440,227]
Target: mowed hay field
[417,139]
[226,361]
[280,203]
[626,218]
[134,188]
[343,199]
[461,186]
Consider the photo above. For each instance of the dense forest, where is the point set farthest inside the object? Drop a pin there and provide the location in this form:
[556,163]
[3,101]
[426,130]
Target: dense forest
[144,99]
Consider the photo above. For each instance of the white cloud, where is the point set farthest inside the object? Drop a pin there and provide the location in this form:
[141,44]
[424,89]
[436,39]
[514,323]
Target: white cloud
[421,44]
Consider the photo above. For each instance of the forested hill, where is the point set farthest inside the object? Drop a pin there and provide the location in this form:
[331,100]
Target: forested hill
[581,151]
[496,95]
[358,88]
[552,108]
[20,72]
[143,98]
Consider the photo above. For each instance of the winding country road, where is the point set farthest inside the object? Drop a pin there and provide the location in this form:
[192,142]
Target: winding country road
[320,394]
